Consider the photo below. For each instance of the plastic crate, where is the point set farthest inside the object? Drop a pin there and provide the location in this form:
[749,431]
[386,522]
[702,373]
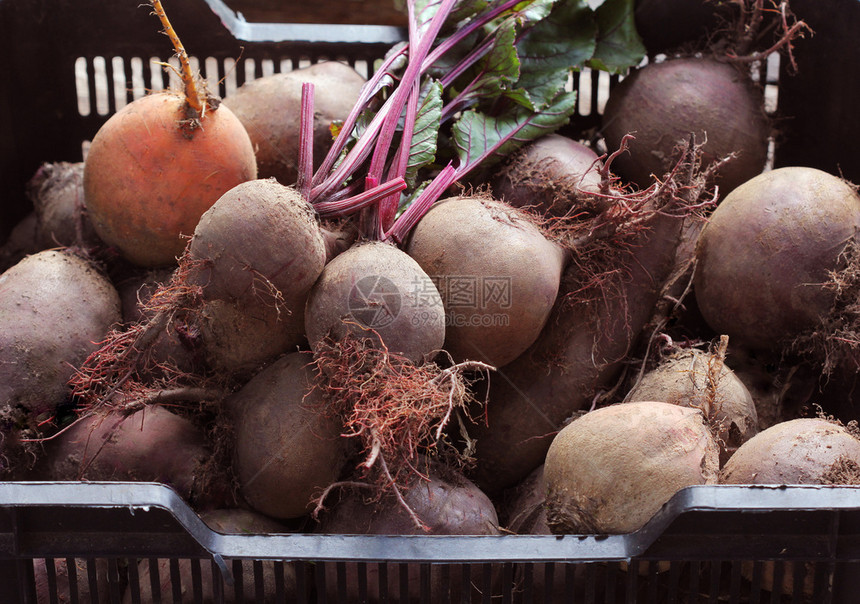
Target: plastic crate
[709,544]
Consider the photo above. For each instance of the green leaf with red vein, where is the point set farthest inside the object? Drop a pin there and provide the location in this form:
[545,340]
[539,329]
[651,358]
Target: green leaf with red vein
[484,139]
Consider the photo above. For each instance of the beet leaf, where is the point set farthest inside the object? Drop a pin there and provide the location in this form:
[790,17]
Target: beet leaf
[618,44]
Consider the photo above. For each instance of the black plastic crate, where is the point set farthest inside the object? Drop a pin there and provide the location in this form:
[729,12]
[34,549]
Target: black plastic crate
[707,544]
[68,66]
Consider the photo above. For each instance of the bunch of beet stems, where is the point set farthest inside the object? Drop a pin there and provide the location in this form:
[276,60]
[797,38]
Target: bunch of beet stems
[332,190]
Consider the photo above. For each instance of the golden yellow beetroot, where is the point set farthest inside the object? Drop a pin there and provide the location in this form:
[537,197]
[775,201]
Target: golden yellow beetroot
[148,178]
[158,163]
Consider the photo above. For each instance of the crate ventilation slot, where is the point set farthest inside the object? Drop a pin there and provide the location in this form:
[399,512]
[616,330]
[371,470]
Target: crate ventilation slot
[106,84]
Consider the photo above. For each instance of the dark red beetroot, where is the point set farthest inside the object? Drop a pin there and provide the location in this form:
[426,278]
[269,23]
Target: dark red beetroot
[768,253]
[57,193]
[625,259]
[547,174]
[288,445]
[578,354]
[22,241]
[238,292]
[269,107]
[150,445]
[374,289]
[239,338]
[260,240]
[663,103]
[702,380]
[610,470]
[798,451]
[173,347]
[54,308]
[496,271]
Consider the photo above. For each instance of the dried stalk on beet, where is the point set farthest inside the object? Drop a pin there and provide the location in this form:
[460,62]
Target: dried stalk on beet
[197,103]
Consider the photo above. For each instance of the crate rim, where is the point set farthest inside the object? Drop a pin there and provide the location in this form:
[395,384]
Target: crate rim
[140,497]
[250,31]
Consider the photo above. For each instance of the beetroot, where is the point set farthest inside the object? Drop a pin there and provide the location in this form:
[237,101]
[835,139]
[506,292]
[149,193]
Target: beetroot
[662,104]
[578,354]
[173,347]
[158,163]
[54,307]
[376,289]
[237,294]
[447,503]
[798,451]
[261,240]
[624,260]
[262,103]
[701,380]
[239,338]
[57,193]
[497,273]
[549,175]
[767,257]
[22,241]
[288,446]
[150,445]
[610,470]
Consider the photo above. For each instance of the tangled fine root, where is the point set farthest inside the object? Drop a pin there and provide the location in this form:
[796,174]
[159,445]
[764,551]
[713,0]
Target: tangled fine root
[835,342]
[602,244]
[19,449]
[398,410]
[111,377]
